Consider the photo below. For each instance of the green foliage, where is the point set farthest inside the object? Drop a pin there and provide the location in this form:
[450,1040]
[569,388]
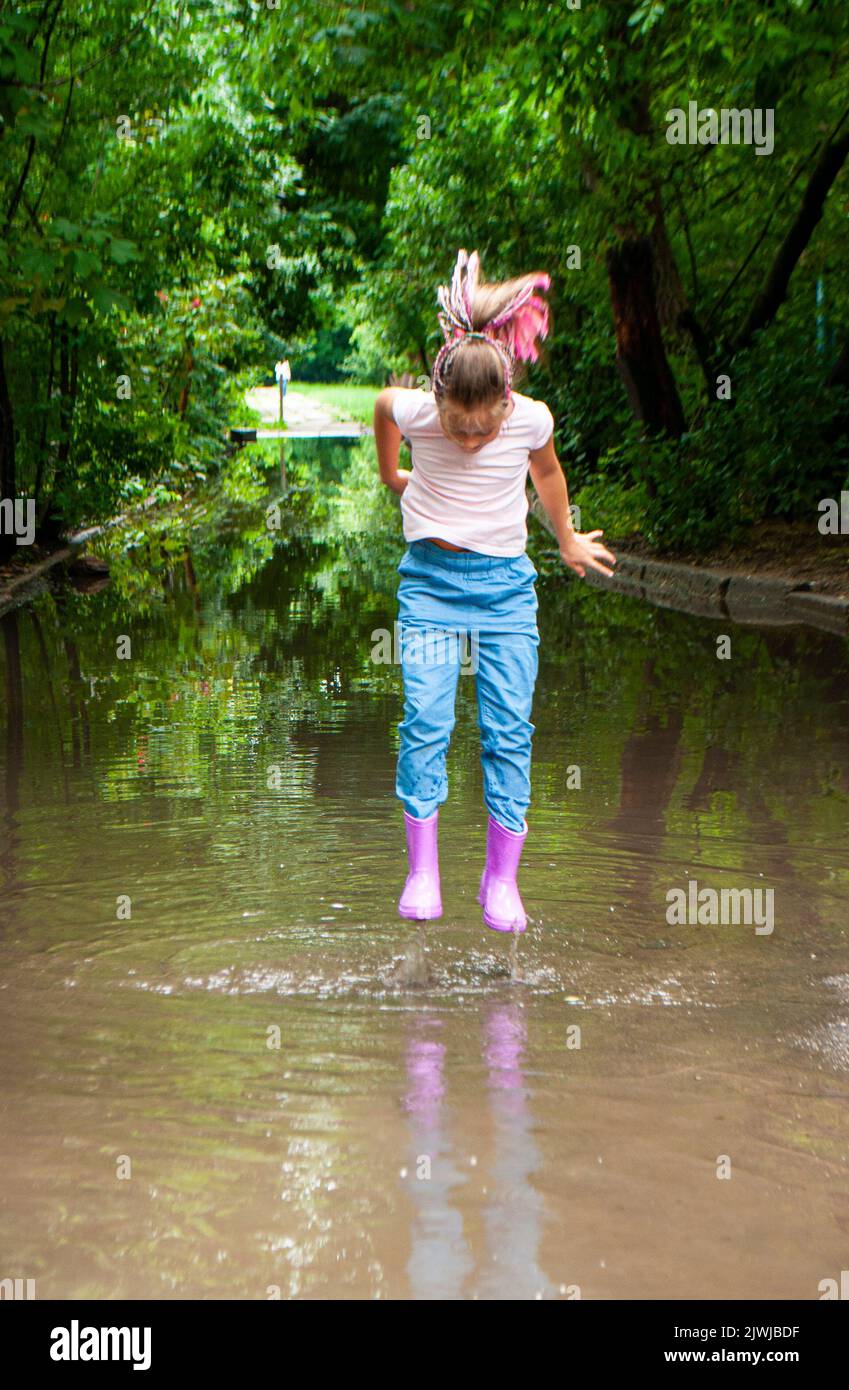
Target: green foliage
[773,450]
[147,238]
[546,131]
[321,358]
[146,439]
[608,503]
[366,363]
[224,184]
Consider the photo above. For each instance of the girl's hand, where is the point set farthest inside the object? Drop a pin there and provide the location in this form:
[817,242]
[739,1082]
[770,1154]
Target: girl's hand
[400,481]
[582,552]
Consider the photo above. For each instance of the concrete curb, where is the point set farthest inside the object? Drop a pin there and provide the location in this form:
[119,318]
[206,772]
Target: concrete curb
[745,599]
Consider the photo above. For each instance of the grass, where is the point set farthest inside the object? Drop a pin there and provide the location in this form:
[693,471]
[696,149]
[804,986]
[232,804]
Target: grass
[347,401]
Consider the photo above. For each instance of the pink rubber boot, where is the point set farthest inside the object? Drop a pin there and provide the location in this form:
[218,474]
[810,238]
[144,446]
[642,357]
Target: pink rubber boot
[421,899]
[499,894]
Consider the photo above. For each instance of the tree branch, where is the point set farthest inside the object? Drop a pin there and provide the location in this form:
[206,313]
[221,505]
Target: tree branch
[22,181]
[95,62]
[774,290]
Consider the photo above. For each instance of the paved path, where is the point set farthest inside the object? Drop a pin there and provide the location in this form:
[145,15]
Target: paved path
[304,414]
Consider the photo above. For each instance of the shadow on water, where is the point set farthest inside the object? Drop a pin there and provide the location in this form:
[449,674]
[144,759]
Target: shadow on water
[230,1068]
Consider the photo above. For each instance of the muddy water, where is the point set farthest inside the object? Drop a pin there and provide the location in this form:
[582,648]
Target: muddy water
[228,1069]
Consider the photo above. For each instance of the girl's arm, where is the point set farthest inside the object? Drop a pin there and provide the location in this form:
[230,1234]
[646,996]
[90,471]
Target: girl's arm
[387,438]
[579,550]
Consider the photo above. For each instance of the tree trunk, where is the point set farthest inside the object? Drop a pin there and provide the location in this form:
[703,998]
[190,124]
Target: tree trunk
[640,354]
[42,443]
[8,476]
[674,309]
[51,528]
[14,693]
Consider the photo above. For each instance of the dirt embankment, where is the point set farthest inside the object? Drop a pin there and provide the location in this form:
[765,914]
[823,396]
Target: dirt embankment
[776,550]
[780,575]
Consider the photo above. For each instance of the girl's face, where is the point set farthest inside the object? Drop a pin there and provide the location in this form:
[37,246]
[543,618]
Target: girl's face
[471,429]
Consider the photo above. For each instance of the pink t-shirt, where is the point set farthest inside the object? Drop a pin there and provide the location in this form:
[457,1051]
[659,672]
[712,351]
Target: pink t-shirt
[477,501]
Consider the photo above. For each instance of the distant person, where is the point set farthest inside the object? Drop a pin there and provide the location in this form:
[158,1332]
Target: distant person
[283,372]
[464,507]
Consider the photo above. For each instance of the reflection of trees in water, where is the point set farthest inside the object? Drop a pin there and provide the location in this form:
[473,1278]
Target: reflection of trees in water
[49,686]
[650,764]
[14,755]
[741,764]
[251,649]
[41,736]
[649,768]
[221,686]
[746,726]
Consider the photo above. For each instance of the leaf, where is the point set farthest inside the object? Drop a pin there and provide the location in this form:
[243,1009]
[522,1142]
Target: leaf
[85,262]
[68,231]
[122,251]
[75,310]
[8,306]
[37,261]
[105,298]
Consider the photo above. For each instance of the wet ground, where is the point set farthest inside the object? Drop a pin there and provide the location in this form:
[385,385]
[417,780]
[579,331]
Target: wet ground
[229,1069]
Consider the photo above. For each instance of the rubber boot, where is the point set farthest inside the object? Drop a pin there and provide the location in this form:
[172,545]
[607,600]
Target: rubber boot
[499,894]
[421,899]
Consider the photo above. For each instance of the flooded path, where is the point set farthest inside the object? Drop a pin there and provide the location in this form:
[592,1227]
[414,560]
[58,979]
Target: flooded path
[228,1067]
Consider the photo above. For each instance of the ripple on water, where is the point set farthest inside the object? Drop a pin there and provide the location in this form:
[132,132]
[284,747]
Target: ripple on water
[447,972]
[829,1039]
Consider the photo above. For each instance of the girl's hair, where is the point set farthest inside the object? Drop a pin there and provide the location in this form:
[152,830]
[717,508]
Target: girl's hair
[477,317]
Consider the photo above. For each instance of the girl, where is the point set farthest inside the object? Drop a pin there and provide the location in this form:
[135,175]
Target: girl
[465,572]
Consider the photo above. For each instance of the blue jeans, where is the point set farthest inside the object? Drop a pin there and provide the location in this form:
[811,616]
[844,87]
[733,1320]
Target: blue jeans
[446,598]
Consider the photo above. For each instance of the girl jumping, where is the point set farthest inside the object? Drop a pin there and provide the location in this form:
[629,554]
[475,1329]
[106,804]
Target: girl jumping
[465,572]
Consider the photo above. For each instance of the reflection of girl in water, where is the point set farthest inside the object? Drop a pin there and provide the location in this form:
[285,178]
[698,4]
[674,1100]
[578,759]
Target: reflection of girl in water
[473,440]
[499,1186]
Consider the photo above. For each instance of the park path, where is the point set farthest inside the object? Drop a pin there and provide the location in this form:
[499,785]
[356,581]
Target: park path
[303,413]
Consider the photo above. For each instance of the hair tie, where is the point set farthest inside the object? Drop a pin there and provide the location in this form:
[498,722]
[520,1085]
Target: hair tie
[449,347]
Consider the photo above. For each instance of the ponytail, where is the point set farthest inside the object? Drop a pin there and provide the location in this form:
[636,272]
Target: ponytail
[511,316]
